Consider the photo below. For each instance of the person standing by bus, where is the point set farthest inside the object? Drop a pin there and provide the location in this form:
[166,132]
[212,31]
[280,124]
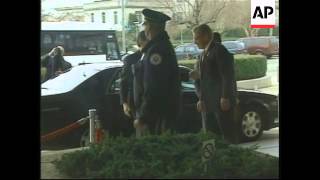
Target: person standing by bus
[54,63]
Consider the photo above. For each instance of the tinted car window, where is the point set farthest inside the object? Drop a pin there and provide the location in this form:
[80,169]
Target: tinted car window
[230,45]
[114,87]
[190,49]
[180,49]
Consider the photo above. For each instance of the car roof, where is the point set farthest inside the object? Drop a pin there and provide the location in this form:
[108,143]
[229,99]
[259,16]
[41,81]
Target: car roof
[258,37]
[231,42]
[68,81]
[187,44]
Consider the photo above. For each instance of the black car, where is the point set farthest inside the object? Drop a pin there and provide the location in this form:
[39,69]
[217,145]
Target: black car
[187,51]
[68,97]
[235,47]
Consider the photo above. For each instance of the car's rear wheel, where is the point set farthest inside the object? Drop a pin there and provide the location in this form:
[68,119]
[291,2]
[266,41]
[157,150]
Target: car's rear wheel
[251,124]
[269,56]
[260,53]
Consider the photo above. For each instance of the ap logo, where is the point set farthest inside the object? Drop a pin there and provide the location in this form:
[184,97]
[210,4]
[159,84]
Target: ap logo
[263,14]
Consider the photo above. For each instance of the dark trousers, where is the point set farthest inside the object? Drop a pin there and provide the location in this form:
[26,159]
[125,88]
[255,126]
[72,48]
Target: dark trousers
[214,122]
[225,124]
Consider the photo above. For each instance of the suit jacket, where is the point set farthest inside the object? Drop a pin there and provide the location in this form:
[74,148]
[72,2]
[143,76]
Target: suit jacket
[217,77]
[126,80]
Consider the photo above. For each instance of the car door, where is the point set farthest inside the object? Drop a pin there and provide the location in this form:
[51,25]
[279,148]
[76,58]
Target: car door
[117,122]
[190,119]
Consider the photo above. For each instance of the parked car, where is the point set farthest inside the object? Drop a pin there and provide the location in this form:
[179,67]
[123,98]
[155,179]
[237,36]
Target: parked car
[187,51]
[264,45]
[68,97]
[235,47]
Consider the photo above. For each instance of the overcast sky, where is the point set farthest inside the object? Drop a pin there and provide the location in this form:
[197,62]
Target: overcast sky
[49,5]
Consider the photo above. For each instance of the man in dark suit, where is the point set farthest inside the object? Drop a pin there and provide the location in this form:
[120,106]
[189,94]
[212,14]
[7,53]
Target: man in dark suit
[126,80]
[215,83]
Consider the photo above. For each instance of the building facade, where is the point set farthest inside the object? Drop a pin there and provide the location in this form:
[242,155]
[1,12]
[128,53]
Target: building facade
[110,11]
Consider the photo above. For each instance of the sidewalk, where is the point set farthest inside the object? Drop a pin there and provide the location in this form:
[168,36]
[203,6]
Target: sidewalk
[274,89]
[48,169]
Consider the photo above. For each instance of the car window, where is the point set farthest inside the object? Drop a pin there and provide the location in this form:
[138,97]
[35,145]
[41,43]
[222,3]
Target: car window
[230,45]
[114,87]
[180,49]
[190,49]
[186,85]
[189,85]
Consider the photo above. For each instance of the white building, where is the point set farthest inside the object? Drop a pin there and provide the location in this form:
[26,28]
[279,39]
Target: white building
[110,12]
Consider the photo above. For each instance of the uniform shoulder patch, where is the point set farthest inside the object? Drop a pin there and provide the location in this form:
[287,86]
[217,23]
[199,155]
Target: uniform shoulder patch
[155,59]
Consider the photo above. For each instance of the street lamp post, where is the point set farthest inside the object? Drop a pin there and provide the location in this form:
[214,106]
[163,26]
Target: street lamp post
[123,27]
[181,37]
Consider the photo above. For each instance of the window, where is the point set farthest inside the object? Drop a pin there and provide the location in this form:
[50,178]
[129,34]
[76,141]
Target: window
[115,14]
[114,88]
[47,39]
[92,17]
[112,53]
[190,49]
[180,49]
[139,16]
[187,85]
[230,45]
[59,40]
[179,16]
[103,17]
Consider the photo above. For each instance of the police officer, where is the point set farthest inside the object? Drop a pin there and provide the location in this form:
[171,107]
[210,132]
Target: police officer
[126,79]
[158,96]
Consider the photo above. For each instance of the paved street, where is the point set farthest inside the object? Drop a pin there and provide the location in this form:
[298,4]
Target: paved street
[272,69]
[268,143]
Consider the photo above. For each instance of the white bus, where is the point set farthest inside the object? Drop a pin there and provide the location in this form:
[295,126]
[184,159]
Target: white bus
[83,42]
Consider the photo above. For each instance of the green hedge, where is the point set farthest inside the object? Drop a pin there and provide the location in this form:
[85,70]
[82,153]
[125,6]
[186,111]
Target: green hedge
[246,66]
[166,156]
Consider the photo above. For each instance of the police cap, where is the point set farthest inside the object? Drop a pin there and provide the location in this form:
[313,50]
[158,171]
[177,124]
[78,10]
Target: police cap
[155,16]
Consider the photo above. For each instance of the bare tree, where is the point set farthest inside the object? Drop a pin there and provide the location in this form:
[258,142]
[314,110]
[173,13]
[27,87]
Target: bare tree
[195,12]
[237,15]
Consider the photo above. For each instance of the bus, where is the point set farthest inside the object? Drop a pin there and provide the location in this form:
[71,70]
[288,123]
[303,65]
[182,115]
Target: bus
[83,42]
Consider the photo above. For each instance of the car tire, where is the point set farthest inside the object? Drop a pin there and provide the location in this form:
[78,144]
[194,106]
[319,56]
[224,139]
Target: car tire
[251,123]
[259,53]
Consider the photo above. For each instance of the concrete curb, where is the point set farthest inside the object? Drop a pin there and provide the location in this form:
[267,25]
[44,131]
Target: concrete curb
[254,84]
